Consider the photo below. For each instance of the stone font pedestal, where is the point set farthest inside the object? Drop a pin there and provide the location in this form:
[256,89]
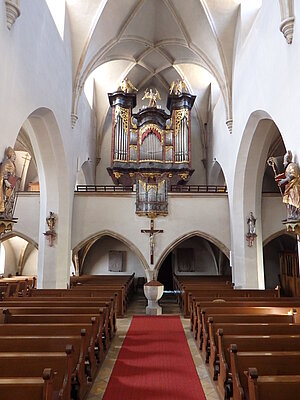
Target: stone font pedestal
[153,291]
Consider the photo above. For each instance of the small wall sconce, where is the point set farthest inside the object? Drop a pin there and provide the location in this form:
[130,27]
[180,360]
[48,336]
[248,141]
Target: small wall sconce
[50,233]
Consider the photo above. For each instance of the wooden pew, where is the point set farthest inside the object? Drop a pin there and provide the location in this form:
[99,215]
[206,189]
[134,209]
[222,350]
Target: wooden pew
[94,351]
[201,294]
[267,363]
[241,314]
[33,364]
[103,280]
[96,291]
[61,319]
[219,365]
[28,388]
[198,290]
[82,302]
[102,312]
[239,302]
[264,329]
[104,293]
[55,344]
[274,387]
[16,286]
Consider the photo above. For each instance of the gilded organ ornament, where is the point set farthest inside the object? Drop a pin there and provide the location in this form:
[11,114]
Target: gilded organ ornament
[179,116]
[177,87]
[149,94]
[127,86]
[123,113]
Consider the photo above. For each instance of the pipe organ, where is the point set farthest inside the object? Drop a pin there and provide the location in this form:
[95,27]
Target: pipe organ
[151,148]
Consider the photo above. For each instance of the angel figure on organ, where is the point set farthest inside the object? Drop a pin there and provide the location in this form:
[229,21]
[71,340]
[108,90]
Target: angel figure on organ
[177,87]
[127,86]
[149,94]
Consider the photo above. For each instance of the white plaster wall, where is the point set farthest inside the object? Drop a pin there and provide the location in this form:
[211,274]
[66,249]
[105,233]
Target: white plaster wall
[11,261]
[116,213]
[102,176]
[97,259]
[30,266]
[36,73]
[205,264]
[273,212]
[266,77]
[27,212]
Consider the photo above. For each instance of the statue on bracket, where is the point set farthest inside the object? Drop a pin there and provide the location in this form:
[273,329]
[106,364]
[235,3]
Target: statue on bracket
[149,94]
[251,234]
[9,184]
[177,87]
[127,86]
[290,180]
[50,233]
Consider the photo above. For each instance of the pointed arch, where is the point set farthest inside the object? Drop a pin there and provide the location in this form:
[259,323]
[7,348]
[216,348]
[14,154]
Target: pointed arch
[258,135]
[56,194]
[221,246]
[87,243]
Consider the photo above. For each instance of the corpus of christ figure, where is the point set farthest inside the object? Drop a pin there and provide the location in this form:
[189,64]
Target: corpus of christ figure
[152,232]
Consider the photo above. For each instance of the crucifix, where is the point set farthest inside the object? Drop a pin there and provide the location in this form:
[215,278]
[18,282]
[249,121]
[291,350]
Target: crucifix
[152,232]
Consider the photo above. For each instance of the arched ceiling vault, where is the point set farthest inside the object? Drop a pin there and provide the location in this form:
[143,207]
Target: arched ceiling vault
[156,38]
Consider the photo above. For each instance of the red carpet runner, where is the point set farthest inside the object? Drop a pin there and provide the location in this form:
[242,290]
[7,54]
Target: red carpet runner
[154,363]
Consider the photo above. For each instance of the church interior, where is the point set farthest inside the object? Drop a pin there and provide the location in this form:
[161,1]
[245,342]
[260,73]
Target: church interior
[150,148]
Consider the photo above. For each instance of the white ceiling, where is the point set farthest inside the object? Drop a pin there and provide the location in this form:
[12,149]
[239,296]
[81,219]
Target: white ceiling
[154,41]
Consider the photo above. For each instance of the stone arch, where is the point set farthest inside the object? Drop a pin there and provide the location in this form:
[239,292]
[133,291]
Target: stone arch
[216,174]
[22,253]
[276,235]
[184,237]
[21,235]
[246,195]
[84,174]
[87,243]
[56,194]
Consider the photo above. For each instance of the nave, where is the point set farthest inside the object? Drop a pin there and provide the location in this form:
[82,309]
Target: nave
[137,307]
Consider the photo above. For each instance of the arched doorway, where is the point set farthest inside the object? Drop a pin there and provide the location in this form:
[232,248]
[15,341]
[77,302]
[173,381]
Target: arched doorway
[111,256]
[261,139]
[273,251]
[194,255]
[91,256]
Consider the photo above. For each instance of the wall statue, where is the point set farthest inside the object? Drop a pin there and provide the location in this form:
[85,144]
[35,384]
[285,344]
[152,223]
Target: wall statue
[9,184]
[251,234]
[290,180]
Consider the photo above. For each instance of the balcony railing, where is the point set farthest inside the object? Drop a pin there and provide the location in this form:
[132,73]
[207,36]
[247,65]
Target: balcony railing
[172,189]
[198,189]
[103,188]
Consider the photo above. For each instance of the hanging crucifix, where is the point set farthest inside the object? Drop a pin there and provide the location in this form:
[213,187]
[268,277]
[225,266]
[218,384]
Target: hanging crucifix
[152,232]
